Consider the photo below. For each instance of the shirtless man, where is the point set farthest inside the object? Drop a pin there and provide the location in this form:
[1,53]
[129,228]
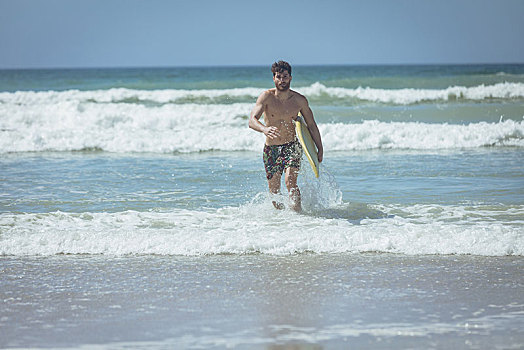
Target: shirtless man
[282,151]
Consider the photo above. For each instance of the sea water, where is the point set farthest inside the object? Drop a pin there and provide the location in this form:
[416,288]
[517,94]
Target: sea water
[107,170]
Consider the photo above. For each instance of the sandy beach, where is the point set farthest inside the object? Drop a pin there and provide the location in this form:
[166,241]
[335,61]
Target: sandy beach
[309,301]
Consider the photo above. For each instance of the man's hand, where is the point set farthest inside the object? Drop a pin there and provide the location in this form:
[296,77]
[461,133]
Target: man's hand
[271,132]
[320,155]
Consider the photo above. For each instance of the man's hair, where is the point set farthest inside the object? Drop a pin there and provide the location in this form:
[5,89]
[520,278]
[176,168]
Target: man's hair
[280,66]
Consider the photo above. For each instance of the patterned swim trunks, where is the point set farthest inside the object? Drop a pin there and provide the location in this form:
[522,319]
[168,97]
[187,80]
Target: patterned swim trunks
[279,157]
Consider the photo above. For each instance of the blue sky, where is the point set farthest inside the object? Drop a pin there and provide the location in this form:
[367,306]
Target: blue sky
[129,33]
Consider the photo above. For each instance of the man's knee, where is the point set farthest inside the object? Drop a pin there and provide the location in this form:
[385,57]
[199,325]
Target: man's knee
[274,184]
[291,180]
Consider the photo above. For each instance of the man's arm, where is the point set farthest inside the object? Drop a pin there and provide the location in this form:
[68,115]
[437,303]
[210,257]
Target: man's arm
[254,121]
[313,128]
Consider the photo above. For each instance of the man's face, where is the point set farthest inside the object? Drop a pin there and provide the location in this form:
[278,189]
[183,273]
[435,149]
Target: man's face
[282,80]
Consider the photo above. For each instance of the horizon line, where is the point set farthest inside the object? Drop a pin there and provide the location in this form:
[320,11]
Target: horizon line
[259,65]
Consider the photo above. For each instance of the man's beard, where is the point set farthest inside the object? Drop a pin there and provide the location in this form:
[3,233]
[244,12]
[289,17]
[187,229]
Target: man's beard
[282,87]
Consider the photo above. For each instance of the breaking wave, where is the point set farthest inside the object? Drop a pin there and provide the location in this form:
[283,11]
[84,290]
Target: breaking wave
[315,92]
[255,228]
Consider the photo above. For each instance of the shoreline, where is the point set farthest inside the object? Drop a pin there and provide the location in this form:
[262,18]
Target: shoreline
[371,300]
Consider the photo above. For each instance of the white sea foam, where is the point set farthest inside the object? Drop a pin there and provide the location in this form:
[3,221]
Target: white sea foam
[403,96]
[68,125]
[123,95]
[373,134]
[62,124]
[257,228]
[411,96]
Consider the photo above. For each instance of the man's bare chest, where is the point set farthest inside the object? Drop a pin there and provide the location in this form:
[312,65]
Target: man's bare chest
[282,109]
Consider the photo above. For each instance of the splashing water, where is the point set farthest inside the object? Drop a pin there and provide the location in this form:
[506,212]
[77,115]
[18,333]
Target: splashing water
[318,193]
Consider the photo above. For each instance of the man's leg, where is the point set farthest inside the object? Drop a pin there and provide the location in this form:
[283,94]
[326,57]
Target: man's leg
[274,188]
[292,187]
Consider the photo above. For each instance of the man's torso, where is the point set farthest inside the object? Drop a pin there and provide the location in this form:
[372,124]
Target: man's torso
[281,113]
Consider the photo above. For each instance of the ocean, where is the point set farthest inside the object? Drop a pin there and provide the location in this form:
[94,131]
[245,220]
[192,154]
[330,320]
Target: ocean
[134,210]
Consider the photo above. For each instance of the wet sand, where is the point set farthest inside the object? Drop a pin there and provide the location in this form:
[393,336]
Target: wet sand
[303,301]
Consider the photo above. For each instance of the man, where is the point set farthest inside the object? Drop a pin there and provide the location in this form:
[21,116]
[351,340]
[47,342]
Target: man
[282,151]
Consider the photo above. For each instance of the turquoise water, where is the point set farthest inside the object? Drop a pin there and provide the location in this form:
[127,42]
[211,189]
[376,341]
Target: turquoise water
[386,77]
[123,167]
[439,148]
[401,140]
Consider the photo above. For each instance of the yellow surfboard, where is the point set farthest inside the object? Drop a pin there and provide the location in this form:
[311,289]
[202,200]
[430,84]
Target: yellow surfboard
[305,139]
